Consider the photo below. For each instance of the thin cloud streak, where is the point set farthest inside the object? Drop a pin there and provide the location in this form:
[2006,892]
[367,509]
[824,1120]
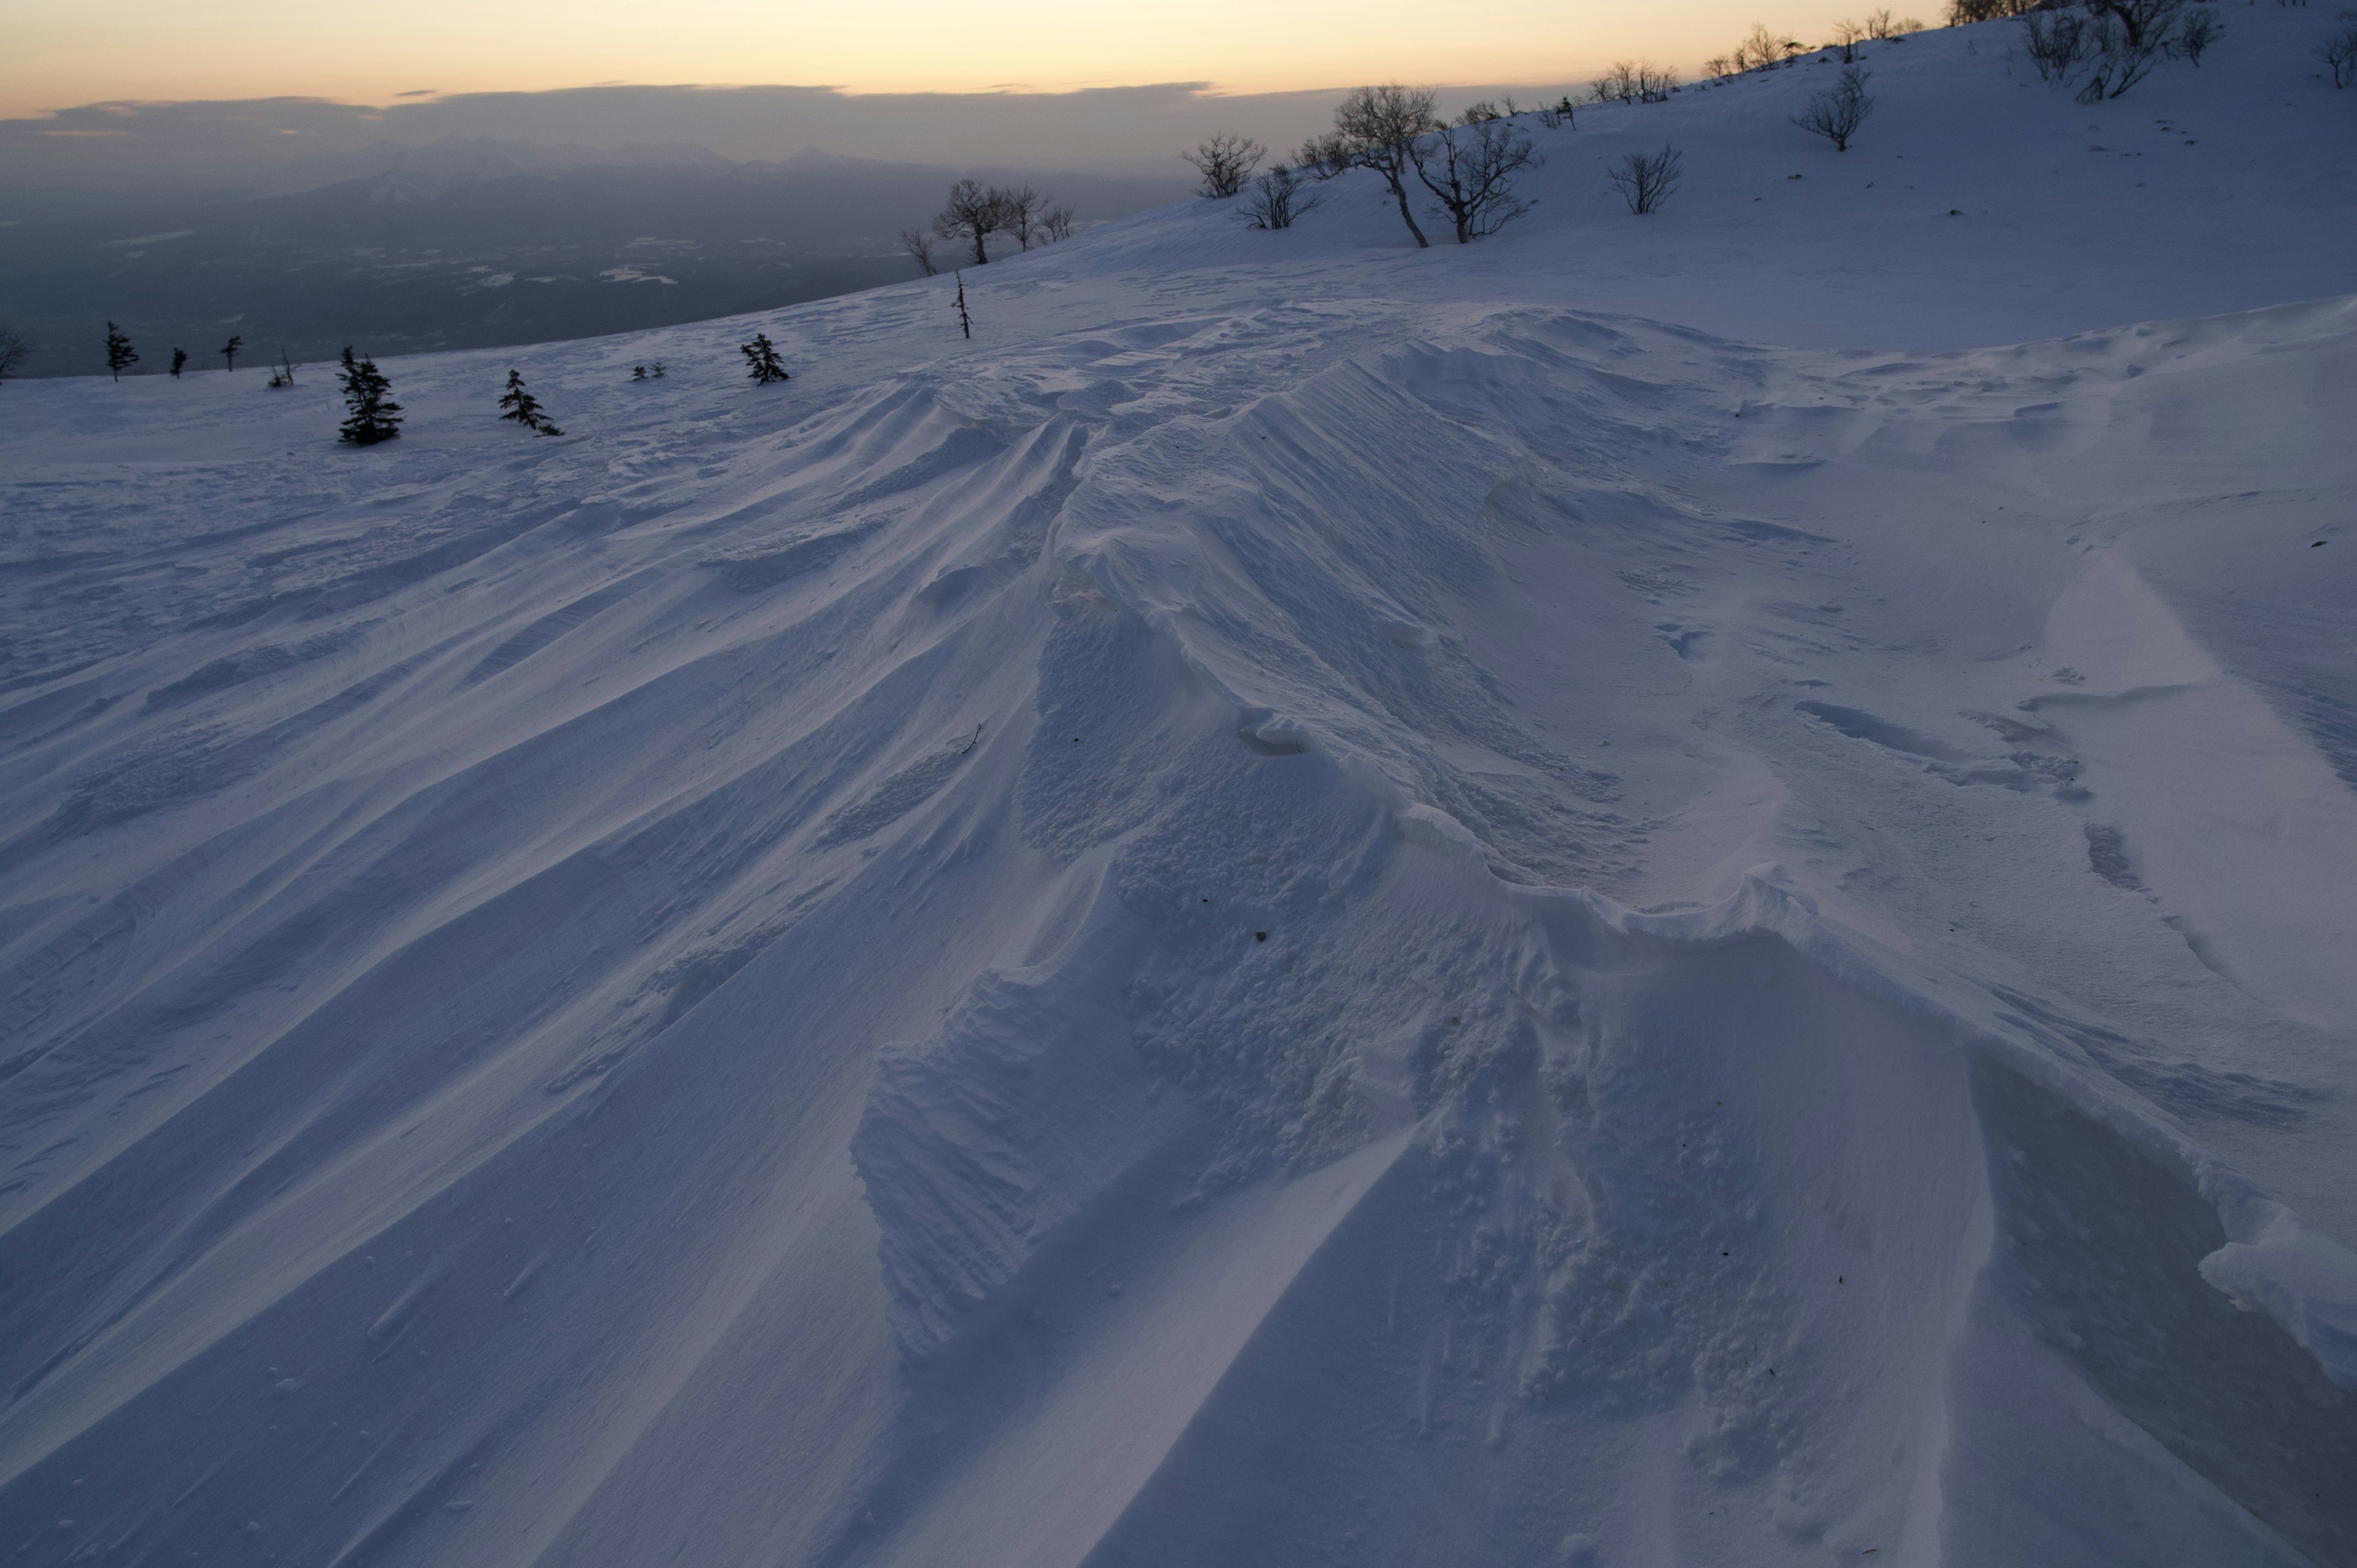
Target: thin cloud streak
[65,51]
[263,143]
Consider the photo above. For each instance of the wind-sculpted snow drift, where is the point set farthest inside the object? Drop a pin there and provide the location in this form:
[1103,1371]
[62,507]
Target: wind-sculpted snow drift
[1251,924]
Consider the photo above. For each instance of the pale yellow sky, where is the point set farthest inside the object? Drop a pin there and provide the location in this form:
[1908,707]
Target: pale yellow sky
[58,53]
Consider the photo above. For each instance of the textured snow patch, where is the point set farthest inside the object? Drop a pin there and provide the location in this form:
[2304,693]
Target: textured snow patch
[2305,1282]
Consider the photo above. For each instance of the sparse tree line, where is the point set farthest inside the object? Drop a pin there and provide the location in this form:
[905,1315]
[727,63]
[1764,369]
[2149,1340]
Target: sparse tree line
[2103,47]
[1462,173]
[1465,173]
[370,414]
[976,216]
[2098,47]
[121,355]
[1761,50]
[2340,51]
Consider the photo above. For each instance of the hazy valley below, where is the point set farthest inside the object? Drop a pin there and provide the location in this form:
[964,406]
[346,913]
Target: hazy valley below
[469,244]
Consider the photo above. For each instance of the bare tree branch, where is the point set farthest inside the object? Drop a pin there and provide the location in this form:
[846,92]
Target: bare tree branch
[1628,82]
[1376,128]
[971,214]
[1019,213]
[1278,198]
[1226,163]
[1645,180]
[2056,42]
[2339,53]
[1470,171]
[1838,113]
[2197,33]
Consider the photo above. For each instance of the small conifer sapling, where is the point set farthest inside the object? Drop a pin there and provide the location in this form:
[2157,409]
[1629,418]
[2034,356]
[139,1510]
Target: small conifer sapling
[230,350]
[524,409]
[120,355]
[179,358]
[373,415]
[638,373]
[761,356]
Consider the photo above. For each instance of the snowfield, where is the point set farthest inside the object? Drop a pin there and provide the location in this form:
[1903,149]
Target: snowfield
[1316,903]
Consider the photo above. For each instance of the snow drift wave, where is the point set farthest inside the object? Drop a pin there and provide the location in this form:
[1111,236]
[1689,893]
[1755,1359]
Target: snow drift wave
[1351,928]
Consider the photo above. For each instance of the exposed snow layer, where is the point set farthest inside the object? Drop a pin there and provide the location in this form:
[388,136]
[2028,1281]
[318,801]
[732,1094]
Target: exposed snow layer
[1316,904]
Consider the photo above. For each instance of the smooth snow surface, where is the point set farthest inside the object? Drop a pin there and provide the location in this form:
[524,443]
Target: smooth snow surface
[1317,903]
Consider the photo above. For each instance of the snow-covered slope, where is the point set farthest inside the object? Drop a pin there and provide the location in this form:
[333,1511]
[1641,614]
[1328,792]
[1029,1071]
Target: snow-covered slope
[1317,903]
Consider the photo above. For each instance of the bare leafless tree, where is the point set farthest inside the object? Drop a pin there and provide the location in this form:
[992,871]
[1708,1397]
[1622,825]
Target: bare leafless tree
[2196,34]
[1560,115]
[14,351]
[2056,42]
[1760,49]
[1965,13]
[2143,24]
[2131,37]
[1018,212]
[1880,24]
[1630,82]
[918,243]
[1225,163]
[971,214]
[1055,225]
[1471,171]
[1838,111]
[1848,36]
[1279,197]
[1324,155]
[1645,180]
[2338,52]
[1376,128]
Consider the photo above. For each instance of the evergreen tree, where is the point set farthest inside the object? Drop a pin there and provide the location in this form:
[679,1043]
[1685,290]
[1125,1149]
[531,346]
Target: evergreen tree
[638,373]
[525,408]
[230,348]
[179,358]
[762,356]
[374,416]
[120,355]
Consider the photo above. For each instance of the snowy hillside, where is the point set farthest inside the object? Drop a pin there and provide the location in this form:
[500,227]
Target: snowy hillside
[1317,903]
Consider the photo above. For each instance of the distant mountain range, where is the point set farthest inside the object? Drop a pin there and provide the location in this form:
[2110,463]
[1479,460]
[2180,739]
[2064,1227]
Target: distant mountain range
[473,242]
